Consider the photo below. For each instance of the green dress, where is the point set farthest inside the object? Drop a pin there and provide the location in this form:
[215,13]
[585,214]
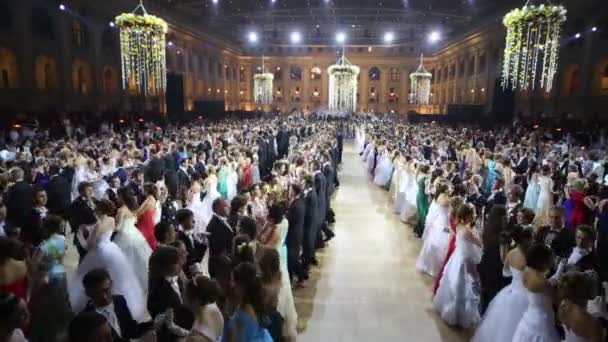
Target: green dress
[422,202]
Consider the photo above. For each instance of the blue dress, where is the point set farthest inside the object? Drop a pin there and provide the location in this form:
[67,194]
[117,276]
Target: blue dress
[491,176]
[250,329]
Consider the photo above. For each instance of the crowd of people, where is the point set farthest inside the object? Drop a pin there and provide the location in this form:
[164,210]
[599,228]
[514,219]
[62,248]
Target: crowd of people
[512,220]
[199,232]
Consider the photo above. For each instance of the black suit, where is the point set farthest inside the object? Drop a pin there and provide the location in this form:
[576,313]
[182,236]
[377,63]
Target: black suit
[562,243]
[330,175]
[31,232]
[154,170]
[522,166]
[295,234]
[138,191]
[162,297]
[495,198]
[282,143]
[310,221]
[196,250]
[112,196]
[68,173]
[322,201]
[59,194]
[183,179]
[220,236]
[512,214]
[80,213]
[19,202]
[129,328]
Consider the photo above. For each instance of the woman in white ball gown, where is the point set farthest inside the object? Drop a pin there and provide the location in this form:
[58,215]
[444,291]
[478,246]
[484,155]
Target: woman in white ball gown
[537,324]
[129,239]
[103,253]
[458,295]
[545,197]
[437,234]
[212,193]
[195,204]
[507,308]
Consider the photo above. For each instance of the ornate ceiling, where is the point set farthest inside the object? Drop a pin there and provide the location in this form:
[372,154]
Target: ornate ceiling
[364,21]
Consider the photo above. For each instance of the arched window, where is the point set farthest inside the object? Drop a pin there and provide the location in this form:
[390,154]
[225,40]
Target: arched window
[604,81]
[6,17]
[79,33]
[295,73]
[315,73]
[8,69]
[374,74]
[82,81]
[278,73]
[42,24]
[395,74]
[575,82]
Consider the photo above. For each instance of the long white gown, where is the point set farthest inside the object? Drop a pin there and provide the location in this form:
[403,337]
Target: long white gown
[544,201]
[538,322]
[206,212]
[409,208]
[383,171]
[106,254]
[458,296]
[430,216]
[135,247]
[286,306]
[505,311]
[201,217]
[435,246]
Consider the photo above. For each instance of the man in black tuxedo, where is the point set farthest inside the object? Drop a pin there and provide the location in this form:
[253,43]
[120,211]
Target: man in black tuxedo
[497,196]
[183,175]
[309,226]
[82,212]
[195,247]
[112,191]
[67,171]
[19,199]
[98,287]
[522,164]
[322,199]
[330,175]
[153,172]
[282,142]
[59,192]
[220,232]
[557,236]
[513,203]
[137,185]
[295,217]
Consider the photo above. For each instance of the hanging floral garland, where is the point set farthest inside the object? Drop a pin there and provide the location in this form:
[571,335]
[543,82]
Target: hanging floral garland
[262,88]
[343,87]
[420,85]
[142,50]
[532,46]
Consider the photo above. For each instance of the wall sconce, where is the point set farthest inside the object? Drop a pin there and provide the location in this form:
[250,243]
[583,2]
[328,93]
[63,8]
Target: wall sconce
[315,93]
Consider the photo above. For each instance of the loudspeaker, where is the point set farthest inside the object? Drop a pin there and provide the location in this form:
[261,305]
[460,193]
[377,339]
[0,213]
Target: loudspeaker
[175,97]
[503,103]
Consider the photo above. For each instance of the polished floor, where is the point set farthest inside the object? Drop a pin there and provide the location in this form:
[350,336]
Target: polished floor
[366,287]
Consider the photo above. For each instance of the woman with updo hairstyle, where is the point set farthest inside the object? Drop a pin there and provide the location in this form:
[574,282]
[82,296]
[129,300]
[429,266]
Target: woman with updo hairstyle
[574,290]
[13,316]
[458,296]
[244,326]
[538,321]
[507,308]
[202,294]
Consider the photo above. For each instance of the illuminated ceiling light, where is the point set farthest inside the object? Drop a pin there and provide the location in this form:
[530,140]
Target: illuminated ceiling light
[577,36]
[389,37]
[112,25]
[273,1]
[435,36]
[593,29]
[62,7]
[215,1]
[295,37]
[253,37]
[341,37]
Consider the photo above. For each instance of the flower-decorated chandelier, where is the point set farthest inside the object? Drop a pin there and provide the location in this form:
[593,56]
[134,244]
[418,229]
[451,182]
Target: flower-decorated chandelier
[142,51]
[420,85]
[343,86]
[262,86]
[532,46]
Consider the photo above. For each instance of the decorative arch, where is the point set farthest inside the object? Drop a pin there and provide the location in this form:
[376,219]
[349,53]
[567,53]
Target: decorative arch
[374,74]
[81,77]
[110,79]
[600,78]
[8,69]
[46,73]
[315,73]
[295,72]
[571,80]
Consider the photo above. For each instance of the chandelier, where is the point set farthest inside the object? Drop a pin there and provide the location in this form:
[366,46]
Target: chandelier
[420,85]
[532,46]
[142,52]
[262,86]
[343,86]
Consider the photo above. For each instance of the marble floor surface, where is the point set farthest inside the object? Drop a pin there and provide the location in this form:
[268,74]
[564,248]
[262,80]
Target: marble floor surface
[366,287]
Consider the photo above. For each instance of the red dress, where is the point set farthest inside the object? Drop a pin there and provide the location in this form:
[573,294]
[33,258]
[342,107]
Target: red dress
[246,183]
[146,227]
[18,288]
[451,247]
[580,213]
